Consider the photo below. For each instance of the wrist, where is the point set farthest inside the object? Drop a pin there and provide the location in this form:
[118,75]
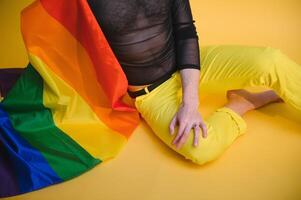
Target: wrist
[192,102]
[190,98]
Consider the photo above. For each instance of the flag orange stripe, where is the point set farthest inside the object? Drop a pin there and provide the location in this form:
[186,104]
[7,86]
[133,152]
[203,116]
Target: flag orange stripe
[93,40]
[50,41]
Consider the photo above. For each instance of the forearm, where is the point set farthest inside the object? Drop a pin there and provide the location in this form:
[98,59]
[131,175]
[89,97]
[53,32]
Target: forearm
[190,86]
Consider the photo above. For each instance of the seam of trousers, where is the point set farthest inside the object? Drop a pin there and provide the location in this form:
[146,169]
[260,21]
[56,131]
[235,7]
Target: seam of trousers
[239,121]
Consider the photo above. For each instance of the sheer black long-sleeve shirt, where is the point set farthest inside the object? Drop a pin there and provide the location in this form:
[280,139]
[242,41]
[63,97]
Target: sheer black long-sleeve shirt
[150,38]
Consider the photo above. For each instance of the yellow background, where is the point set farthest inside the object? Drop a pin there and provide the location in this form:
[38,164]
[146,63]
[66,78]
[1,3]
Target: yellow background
[263,164]
[275,23]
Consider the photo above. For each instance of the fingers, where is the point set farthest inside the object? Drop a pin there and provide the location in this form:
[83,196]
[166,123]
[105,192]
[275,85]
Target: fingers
[196,135]
[204,130]
[183,134]
[172,125]
[184,137]
[180,133]
[184,129]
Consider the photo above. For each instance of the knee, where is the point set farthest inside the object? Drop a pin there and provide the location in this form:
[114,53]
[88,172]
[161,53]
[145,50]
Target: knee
[203,158]
[217,142]
[204,154]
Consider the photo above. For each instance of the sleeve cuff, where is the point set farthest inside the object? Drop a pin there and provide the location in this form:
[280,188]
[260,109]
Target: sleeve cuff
[187,66]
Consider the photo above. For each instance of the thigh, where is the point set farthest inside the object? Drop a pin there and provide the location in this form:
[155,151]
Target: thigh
[233,66]
[158,108]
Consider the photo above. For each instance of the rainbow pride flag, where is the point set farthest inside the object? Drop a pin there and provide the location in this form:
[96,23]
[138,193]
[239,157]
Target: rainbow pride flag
[66,113]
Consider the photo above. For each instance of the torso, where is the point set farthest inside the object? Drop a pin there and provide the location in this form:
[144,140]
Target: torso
[140,35]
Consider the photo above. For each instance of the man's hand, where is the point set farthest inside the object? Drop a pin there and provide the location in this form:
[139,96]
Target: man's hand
[187,118]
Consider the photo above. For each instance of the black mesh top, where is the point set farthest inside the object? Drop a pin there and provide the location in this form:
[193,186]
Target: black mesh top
[150,38]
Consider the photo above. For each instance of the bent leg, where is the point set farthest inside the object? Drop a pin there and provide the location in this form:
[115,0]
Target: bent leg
[158,108]
[227,67]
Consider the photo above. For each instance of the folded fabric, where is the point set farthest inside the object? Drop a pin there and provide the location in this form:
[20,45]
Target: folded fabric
[66,112]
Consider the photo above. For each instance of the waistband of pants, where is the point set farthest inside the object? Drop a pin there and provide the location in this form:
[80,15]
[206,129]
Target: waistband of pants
[148,89]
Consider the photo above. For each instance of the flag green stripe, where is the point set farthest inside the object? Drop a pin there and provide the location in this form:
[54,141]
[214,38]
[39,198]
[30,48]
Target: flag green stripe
[34,122]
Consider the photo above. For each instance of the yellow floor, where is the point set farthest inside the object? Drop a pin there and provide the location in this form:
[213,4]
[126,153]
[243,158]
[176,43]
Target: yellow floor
[263,164]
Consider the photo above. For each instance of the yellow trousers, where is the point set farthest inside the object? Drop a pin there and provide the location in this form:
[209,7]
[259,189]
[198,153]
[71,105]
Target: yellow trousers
[223,68]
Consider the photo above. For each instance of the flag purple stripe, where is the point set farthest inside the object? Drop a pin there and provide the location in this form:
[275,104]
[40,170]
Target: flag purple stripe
[8,78]
[9,184]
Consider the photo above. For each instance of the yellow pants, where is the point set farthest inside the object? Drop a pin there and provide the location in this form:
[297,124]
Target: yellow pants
[223,68]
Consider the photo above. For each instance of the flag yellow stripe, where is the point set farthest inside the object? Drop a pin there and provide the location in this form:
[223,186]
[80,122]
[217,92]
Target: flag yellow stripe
[68,59]
[75,117]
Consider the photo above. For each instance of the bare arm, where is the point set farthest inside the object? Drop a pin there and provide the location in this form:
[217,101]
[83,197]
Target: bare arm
[188,63]
[190,83]
[188,116]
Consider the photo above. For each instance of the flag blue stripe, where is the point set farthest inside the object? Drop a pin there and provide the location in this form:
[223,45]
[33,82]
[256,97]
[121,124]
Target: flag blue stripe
[31,168]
